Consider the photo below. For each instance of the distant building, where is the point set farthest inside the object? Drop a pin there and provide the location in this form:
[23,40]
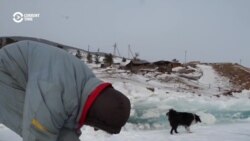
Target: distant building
[176,64]
[164,66]
[136,65]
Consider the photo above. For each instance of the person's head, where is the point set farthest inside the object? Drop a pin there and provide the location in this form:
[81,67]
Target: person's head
[109,112]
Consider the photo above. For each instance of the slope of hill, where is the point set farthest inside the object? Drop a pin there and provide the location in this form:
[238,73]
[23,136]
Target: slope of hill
[238,75]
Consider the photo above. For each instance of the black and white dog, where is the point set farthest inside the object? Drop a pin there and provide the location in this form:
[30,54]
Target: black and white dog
[181,118]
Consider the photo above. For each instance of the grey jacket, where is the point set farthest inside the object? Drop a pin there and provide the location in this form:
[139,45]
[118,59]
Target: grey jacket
[42,90]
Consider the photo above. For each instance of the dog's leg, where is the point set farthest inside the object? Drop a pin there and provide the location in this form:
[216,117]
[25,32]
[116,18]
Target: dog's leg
[188,129]
[175,129]
[171,132]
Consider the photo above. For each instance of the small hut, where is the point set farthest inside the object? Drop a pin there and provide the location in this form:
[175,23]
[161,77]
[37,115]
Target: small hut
[164,66]
[135,65]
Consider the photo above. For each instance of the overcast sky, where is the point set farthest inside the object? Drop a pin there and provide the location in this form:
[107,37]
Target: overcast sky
[209,30]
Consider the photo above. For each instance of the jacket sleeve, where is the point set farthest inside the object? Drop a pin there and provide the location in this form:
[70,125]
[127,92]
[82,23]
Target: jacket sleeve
[44,114]
[68,135]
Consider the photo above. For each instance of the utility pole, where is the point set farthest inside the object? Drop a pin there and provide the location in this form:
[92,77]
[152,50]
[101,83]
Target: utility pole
[117,49]
[130,51]
[115,45]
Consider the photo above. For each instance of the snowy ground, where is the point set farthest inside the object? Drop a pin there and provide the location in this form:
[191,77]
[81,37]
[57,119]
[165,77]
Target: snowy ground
[225,132]
[223,118]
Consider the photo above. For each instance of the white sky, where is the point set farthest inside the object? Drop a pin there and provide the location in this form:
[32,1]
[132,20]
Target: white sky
[209,30]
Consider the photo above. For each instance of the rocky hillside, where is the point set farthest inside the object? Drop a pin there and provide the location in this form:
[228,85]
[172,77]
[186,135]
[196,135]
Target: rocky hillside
[238,75]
